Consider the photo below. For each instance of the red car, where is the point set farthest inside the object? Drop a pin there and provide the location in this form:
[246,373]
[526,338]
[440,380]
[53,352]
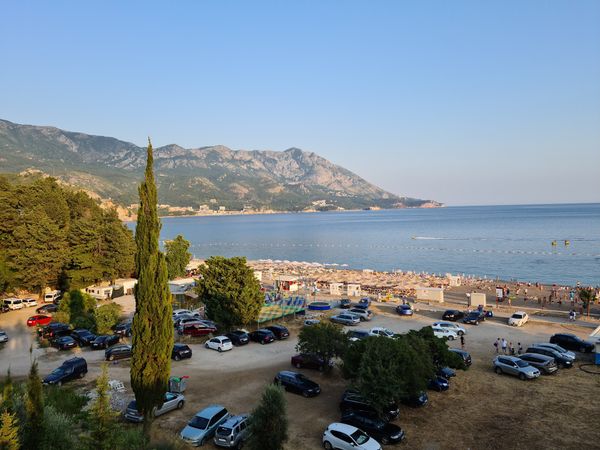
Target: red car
[196,329]
[38,321]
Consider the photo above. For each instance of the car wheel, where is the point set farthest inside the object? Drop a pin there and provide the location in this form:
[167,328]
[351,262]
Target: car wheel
[385,441]
[262,342]
[582,349]
[81,374]
[177,358]
[327,445]
[59,383]
[111,357]
[498,370]
[180,404]
[460,333]
[522,376]
[451,337]
[201,443]
[219,349]
[304,394]
[206,345]
[298,365]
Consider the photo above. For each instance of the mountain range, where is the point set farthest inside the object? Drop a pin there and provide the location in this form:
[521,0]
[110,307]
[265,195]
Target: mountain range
[290,180]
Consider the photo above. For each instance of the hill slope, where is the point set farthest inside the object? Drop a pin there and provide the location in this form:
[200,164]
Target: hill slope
[291,180]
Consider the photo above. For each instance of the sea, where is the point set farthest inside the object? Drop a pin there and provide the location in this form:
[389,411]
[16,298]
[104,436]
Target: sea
[535,243]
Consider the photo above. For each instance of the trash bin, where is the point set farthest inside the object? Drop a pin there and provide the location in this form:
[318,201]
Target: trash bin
[177,384]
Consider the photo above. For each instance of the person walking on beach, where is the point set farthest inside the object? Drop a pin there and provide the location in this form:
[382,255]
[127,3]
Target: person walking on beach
[462,341]
[497,345]
[504,345]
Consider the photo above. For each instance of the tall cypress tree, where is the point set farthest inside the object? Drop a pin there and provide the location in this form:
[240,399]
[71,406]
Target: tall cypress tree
[34,409]
[152,328]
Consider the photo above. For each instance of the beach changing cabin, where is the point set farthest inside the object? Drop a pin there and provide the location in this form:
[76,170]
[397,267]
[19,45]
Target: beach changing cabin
[476,299]
[287,283]
[336,288]
[353,290]
[430,294]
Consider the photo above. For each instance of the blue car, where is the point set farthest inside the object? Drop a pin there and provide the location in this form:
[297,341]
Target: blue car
[203,425]
[438,384]
[404,310]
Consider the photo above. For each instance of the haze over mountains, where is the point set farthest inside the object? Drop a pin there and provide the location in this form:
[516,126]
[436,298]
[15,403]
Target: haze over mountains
[292,180]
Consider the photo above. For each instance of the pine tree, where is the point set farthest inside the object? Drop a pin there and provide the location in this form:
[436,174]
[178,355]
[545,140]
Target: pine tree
[103,418]
[8,404]
[152,328]
[9,431]
[34,409]
[268,422]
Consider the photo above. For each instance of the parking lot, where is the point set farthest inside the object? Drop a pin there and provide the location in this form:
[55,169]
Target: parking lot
[550,412]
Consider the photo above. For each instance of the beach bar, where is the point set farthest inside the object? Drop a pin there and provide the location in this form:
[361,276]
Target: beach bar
[429,294]
[287,283]
[353,290]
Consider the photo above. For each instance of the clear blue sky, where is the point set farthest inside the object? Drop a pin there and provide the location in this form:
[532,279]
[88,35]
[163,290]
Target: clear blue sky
[481,102]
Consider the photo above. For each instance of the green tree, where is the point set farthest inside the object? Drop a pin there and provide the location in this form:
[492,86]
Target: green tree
[57,433]
[78,309]
[587,296]
[9,431]
[230,291]
[102,417]
[6,275]
[152,327]
[34,409]
[107,316]
[177,256]
[268,422]
[8,401]
[437,349]
[326,340]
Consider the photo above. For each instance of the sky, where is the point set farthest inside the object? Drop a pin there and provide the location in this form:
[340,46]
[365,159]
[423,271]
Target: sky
[464,102]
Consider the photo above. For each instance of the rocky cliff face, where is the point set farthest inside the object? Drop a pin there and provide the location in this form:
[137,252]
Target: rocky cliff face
[288,180]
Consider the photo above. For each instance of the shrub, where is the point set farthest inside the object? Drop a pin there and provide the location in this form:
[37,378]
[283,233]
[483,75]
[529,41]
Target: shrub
[107,316]
[57,431]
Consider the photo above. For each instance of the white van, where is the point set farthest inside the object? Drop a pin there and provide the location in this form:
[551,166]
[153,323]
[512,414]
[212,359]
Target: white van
[51,296]
[13,303]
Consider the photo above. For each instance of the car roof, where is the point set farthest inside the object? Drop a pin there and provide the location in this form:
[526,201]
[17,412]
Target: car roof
[209,411]
[510,358]
[520,312]
[342,427]
[538,355]
[288,373]
[234,420]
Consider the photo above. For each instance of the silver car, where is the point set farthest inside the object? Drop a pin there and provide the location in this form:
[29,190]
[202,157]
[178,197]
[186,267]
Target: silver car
[3,337]
[203,425]
[363,314]
[346,319]
[172,401]
[512,365]
[233,432]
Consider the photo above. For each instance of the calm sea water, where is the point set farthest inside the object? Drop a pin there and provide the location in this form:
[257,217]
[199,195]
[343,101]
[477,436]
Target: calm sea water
[510,242]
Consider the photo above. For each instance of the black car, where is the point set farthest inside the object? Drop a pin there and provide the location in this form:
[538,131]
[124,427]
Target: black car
[446,372]
[474,317]
[352,401]
[123,329]
[310,361]
[64,343]
[69,370]
[54,330]
[345,303]
[238,337]
[279,331]
[572,342]
[545,364]
[561,359]
[453,315]
[363,303]
[181,351]
[46,309]
[416,401]
[122,351]
[464,355]
[298,383]
[83,337]
[104,341]
[438,383]
[357,335]
[382,431]
[262,335]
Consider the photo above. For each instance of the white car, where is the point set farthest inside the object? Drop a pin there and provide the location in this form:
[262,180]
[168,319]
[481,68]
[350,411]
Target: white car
[219,343]
[13,303]
[178,312]
[379,331]
[346,437]
[445,333]
[27,302]
[3,337]
[451,326]
[518,319]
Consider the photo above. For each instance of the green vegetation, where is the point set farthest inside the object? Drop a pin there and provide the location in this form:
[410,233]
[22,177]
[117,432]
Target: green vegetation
[53,236]
[177,256]
[325,339]
[102,417]
[586,295]
[268,422]
[107,316]
[230,291]
[34,409]
[81,310]
[152,327]
[9,431]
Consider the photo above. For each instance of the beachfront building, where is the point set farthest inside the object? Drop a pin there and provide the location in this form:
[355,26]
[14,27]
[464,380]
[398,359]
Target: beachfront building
[287,283]
[476,299]
[336,288]
[181,288]
[353,290]
[127,284]
[429,294]
[453,280]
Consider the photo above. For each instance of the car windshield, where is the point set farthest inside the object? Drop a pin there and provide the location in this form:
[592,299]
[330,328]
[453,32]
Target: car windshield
[517,316]
[198,422]
[359,437]
[559,348]
[521,363]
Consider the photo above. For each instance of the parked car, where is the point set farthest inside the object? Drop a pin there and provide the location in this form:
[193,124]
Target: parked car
[380,331]
[178,312]
[512,365]
[571,342]
[474,317]
[341,436]
[123,329]
[558,348]
[561,359]
[452,326]
[545,364]
[416,401]
[64,343]
[3,337]
[52,297]
[54,330]
[181,351]
[384,432]
[438,383]
[47,309]
[238,337]
[297,383]
[453,315]
[38,321]
[345,303]
[463,354]
[518,319]
[262,336]
[446,333]
[345,319]
[279,331]
[309,361]
[357,335]
[446,372]
[196,329]
[29,302]
[83,337]
[352,401]
[404,310]
[363,314]
[364,303]
[13,303]
[311,322]
[104,341]
[203,425]
[69,370]
[121,351]
[172,402]
[219,343]
[183,319]
[233,432]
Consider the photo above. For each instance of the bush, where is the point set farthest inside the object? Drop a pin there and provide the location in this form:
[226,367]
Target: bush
[107,316]
[65,400]
[57,431]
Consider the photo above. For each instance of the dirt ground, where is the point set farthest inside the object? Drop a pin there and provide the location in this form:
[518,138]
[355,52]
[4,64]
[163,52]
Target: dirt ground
[481,410]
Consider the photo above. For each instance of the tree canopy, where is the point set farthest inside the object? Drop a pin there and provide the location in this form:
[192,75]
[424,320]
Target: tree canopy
[177,256]
[324,339]
[268,422]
